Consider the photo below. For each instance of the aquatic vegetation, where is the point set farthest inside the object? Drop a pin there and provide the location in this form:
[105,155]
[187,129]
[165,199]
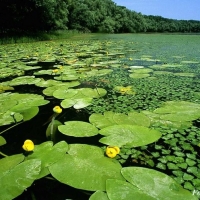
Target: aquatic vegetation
[113,101]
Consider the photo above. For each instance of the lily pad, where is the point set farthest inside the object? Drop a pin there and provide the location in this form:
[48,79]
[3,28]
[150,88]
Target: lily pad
[99,195]
[48,155]
[64,86]
[2,141]
[117,189]
[10,117]
[138,75]
[156,184]
[15,180]
[85,167]
[110,118]
[24,80]
[78,129]
[128,135]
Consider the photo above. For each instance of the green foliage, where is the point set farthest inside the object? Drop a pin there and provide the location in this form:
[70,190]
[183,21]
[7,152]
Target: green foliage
[2,141]
[134,120]
[78,129]
[17,107]
[117,189]
[110,118]
[128,135]
[16,175]
[99,195]
[48,155]
[155,184]
[85,167]
[86,16]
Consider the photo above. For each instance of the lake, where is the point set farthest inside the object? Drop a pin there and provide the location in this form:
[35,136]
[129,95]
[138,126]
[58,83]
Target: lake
[138,94]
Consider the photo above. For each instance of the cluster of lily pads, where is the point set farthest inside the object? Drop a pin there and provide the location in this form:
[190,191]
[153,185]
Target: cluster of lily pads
[138,100]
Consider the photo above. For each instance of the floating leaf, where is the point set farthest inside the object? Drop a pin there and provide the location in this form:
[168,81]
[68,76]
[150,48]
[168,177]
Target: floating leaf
[117,189]
[2,141]
[78,129]
[129,135]
[110,118]
[48,154]
[86,167]
[64,86]
[29,113]
[155,184]
[14,181]
[99,195]
[10,117]
[138,75]
[24,80]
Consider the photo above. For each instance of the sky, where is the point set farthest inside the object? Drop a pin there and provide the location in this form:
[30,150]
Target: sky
[172,9]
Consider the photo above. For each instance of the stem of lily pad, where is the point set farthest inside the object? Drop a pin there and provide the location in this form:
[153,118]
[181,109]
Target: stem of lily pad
[3,154]
[11,127]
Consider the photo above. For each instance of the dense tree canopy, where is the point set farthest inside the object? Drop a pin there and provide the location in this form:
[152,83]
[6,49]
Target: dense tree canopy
[83,15]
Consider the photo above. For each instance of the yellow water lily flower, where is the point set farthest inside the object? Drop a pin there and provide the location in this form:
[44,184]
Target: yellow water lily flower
[57,109]
[55,70]
[28,145]
[112,151]
[124,90]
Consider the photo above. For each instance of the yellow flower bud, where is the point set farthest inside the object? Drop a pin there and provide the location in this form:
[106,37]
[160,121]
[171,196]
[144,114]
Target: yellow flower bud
[28,145]
[111,151]
[55,70]
[57,109]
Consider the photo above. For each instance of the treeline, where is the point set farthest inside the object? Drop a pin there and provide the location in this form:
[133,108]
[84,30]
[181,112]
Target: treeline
[83,15]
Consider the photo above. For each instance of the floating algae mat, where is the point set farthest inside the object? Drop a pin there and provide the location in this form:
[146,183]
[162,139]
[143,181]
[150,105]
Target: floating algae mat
[100,115]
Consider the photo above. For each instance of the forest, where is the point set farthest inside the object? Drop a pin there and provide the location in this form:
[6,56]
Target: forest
[98,16]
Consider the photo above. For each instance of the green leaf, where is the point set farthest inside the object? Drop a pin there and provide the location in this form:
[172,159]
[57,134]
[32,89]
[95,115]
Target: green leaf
[110,118]
[9,162]
[86,167]
[118,189]
[190,162]
[193,170]
[2,141]
[133,136]
[156,184]
[54,130]
[187,177]
[101,121]
[139,119]
[65,94]
[7,104]
[67,103]
[10,117]
[48,154]
[29,113]
[82,103]
[17,179]
[99,195]
[172,166]
[137,75]
[78,129]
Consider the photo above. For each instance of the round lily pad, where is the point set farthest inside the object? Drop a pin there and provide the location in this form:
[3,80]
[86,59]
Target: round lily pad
[78,129]
[85,167]
[129,135]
